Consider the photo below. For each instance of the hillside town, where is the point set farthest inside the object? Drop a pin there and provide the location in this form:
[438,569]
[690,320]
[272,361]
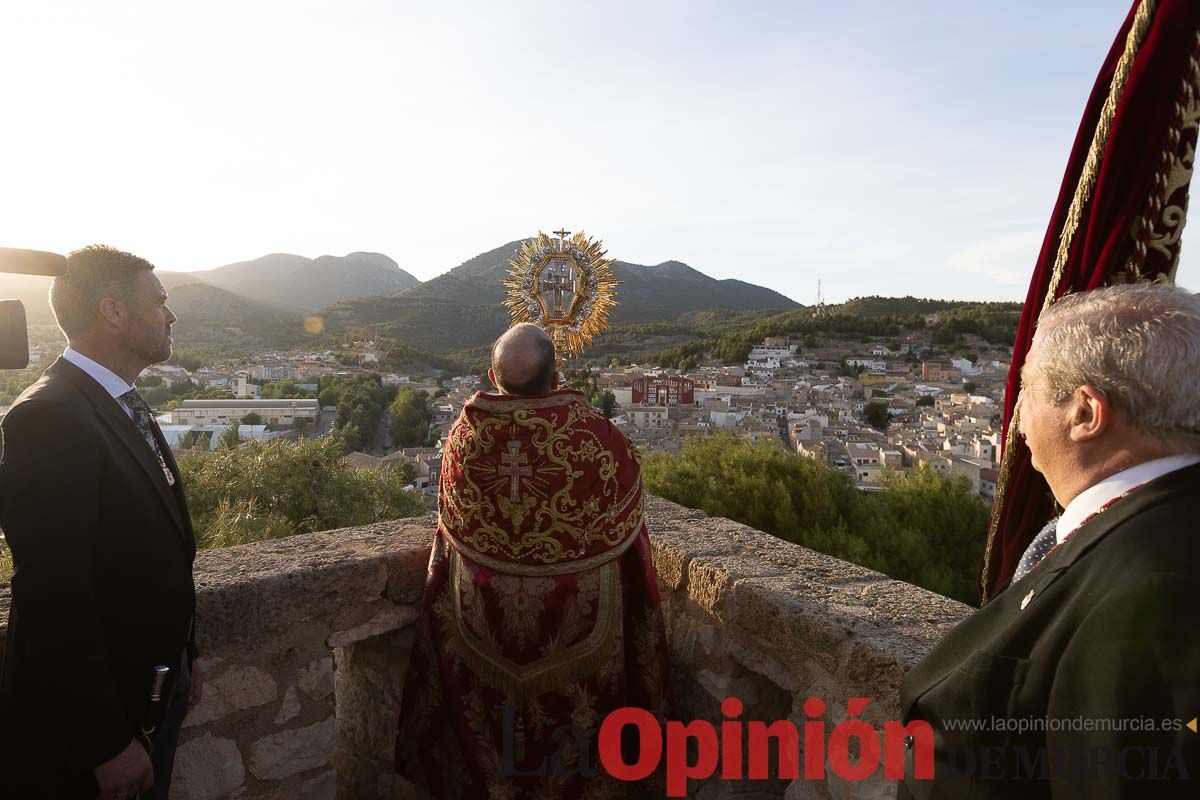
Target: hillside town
[861,405]
[861,408]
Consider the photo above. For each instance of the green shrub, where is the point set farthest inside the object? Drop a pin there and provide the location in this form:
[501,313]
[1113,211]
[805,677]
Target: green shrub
[922,528]
[280,488]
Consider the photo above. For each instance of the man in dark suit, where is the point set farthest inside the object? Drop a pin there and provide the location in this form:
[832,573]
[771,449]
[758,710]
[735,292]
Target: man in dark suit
[102,593]
[1082,678]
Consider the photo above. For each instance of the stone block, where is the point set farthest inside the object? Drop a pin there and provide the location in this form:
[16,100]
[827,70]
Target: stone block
[208,666]
[367,709]
[407,572]
[207,768]
[235,689]
[393,787]
[387,619]
[322,787]
[290,708]
[806,790]
[316,680]
[290,752]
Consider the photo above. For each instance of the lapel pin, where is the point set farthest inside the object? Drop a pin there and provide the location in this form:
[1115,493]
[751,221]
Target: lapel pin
[1026,599]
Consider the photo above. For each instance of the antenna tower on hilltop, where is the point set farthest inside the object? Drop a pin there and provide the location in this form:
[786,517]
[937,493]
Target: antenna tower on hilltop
[820,303]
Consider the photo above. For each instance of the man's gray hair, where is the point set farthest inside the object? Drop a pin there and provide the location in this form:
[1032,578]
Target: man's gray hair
[1140,344]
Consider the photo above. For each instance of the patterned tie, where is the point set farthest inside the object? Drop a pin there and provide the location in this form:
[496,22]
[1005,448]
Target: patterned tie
[1042,544]
[143,418]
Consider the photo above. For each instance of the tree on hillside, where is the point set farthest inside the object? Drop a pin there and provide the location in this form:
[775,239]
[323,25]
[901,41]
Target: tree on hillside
[284,389]
[925,400]
[186,441]
[877,414]
[410,418]
[969,387]
[361,402]
[189,361]
[230,438]
[252,419]
[608,404]
[350,436]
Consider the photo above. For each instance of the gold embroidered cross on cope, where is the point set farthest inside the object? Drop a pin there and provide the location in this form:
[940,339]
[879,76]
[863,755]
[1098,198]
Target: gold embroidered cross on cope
[514,465]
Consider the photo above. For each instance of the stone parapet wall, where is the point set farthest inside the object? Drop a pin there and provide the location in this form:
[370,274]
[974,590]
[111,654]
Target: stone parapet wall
[305,643]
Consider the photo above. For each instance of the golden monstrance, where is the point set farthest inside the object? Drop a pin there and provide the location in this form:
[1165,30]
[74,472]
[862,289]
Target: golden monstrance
[565,287]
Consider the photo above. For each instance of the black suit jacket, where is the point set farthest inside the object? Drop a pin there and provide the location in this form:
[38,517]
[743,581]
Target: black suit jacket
[1106,629]
[102,590]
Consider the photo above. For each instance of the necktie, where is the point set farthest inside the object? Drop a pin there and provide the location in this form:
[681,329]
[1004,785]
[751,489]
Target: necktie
[1042,544]
[143,419]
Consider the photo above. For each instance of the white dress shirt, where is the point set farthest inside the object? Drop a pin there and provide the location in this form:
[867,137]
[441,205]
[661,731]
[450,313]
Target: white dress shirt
[1090,500]
[109,381]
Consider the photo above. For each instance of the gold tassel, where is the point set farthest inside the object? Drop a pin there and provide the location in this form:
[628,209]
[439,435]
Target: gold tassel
[519,736]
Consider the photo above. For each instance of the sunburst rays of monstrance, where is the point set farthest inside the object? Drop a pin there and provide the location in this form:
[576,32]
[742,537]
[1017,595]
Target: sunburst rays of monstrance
[563,285]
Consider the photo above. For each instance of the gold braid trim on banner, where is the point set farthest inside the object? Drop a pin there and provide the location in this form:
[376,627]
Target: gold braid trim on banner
[1083,194]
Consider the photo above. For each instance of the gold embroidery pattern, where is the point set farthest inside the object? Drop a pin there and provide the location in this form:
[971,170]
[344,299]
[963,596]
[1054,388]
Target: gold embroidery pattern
[523,605]
[514,499]
[634,524]
[523,682]
[485,402]
[1158,232]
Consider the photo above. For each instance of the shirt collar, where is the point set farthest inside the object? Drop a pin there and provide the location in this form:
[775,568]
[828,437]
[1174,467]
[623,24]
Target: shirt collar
[1091,499]
[110,381]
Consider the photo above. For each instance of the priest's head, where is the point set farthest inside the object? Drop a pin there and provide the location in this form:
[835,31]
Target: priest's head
[1111,381]
[523,361]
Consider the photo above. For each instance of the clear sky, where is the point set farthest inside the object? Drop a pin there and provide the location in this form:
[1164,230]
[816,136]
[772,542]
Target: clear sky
[883,147]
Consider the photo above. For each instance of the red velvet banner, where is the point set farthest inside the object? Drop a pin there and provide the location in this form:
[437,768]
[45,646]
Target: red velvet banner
[1119,218]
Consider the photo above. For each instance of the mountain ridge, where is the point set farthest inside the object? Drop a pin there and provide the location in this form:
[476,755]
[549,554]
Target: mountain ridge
[262,302]
[647,293]
[308,284]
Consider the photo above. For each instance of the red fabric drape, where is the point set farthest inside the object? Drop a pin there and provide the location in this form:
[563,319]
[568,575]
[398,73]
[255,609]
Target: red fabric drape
[1145,152]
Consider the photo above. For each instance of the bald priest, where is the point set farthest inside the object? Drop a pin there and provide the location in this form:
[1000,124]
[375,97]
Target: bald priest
[541,610]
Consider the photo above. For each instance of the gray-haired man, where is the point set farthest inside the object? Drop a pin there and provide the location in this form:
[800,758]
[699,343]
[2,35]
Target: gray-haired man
[1080,679]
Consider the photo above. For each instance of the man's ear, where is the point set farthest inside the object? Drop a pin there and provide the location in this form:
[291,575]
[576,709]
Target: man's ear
[492,377]
[112,311]
[1091,413]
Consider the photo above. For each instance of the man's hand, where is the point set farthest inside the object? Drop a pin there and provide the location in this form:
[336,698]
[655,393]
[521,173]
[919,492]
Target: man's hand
[197,686]
[126,775]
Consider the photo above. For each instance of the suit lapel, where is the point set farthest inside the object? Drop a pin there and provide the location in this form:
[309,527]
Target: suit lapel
[1008,606]
[113,415]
